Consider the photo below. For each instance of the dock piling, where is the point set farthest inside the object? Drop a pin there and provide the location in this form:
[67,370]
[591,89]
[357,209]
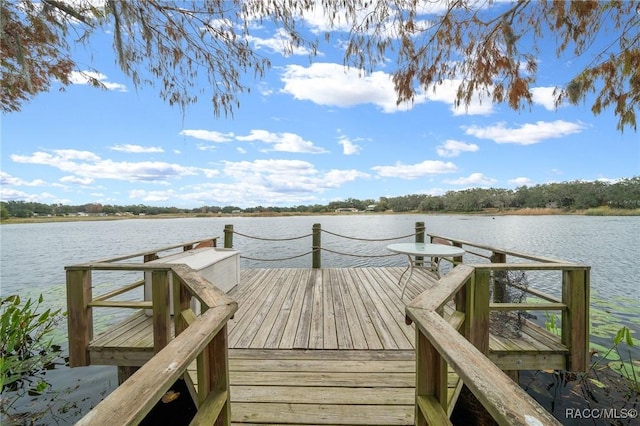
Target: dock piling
[316,246]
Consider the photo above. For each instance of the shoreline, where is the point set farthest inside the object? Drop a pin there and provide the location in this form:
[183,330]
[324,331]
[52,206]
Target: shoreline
[541,211]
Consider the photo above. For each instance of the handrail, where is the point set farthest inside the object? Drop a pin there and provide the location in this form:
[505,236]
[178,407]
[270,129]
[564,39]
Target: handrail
[119,291]
[441,343]
[207,294]
[80,301]
[499,250]
[134,399]
[202,337]
[185,246]
[503,398]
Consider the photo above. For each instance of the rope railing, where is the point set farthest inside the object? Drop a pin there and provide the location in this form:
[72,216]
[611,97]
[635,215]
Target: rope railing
[316,245]
[278,259]
[326,232]
[272,239]
[368,239]
[359,255]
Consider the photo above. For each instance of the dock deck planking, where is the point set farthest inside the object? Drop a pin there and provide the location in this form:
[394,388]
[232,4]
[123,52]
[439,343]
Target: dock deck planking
[321,346]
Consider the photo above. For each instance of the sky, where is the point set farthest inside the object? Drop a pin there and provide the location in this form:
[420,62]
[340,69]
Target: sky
[308,133]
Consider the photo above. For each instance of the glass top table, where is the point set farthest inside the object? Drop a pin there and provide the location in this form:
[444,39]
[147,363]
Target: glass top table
[418,250]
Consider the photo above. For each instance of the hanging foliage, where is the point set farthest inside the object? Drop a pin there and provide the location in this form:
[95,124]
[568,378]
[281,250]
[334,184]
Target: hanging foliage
[489,49]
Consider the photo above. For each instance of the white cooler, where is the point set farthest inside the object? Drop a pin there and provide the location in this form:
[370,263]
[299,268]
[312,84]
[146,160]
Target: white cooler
[219,266]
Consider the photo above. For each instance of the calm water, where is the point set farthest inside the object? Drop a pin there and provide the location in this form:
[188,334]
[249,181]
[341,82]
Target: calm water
[33,257]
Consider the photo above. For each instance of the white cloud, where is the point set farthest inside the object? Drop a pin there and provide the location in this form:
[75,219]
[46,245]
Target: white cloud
[521,181]
[7,180]
[332,84]
[136,149]
[335,85]
[85,164]
[208,135]
[335,178]
[319,23]
[472,179]
[414,171]
[8,194]
[348,146]
[280,43]
[264,89]
[293,176]
[76,179]
[294,168]
[203,147]
[284,142]
[260,182]
[526,134]
[84,77]
[447,91]
[545,96]
[453,148]
[210,173]
[151,196]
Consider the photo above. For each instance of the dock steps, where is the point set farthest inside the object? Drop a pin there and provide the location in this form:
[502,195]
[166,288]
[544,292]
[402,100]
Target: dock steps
[323,387]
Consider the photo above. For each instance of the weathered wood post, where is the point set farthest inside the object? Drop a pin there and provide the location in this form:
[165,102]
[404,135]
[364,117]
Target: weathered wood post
[477,324]
[218,380]
[575,319]
[181,303]
[316,246]
[79,316]
[228,236]
[419,239]
[499,279]
[161,311]
[431,383]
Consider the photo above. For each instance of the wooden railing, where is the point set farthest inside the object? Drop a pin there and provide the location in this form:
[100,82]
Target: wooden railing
[461,342]
[80,300]
[574,290]
[201,338]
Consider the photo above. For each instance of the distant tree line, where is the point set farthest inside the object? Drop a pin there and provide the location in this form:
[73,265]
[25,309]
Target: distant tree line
[575,195]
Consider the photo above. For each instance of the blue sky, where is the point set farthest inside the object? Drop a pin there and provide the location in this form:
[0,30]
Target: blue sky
[308,133]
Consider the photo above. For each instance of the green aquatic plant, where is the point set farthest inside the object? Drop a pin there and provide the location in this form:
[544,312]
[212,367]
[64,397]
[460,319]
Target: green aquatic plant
[627,368]
[552,323]
[26,348]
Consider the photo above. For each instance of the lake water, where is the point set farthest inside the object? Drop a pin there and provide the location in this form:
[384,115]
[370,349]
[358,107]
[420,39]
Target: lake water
[33,257]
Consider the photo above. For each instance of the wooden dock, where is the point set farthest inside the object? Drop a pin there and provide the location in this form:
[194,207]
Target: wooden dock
[325,345]
[307,346]
[316,346]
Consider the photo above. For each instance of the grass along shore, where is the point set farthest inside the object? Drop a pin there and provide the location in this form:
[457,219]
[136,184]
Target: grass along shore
[599,211]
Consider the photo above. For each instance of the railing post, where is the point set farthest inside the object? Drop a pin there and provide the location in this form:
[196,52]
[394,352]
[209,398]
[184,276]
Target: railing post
[575,327]
[228,236]
[79,316]
[477,322]
[161,312]
[316,246]
[419,239]
[499,279]
[219,373]
[431,379]
[181,301]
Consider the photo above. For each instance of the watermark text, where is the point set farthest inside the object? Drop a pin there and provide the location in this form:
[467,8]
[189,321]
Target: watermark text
[601,413]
